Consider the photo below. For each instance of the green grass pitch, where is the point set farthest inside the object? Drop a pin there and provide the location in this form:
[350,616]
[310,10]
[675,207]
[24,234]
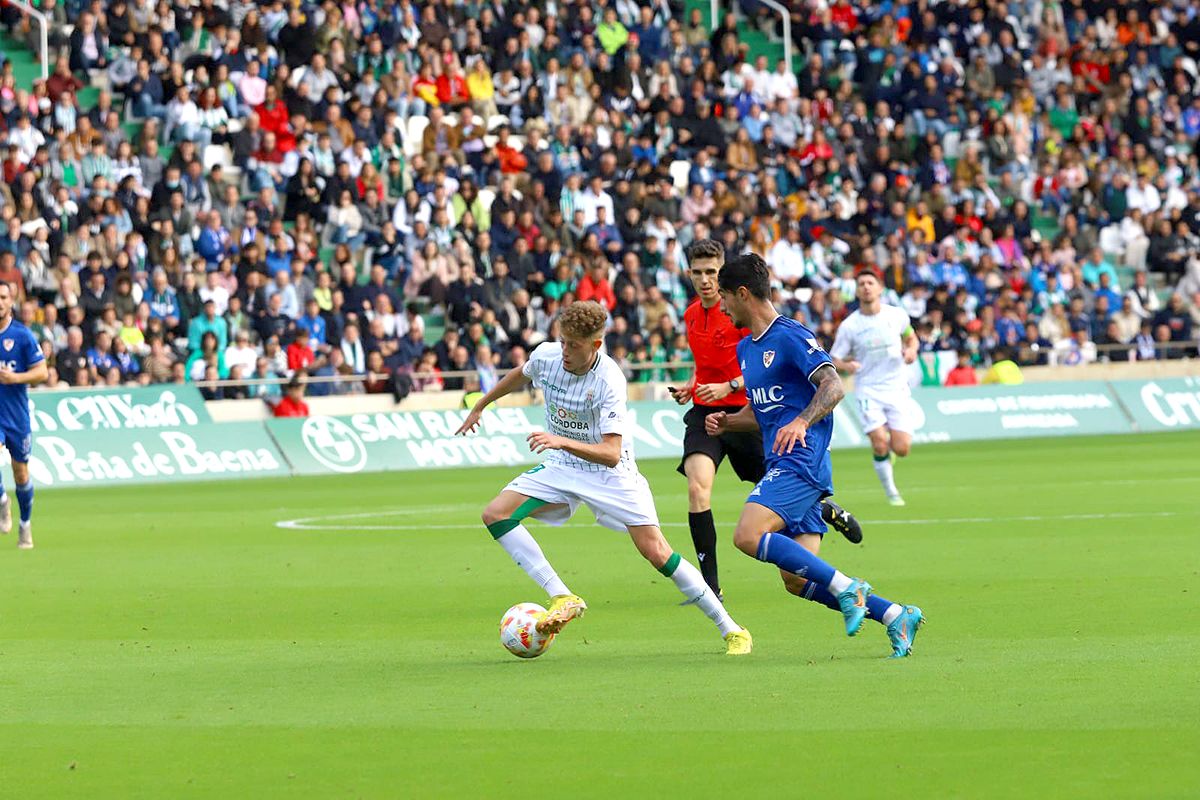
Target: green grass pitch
[177,642]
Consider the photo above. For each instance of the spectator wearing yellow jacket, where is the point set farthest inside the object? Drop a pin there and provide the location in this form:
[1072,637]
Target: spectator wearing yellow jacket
[611,34]
[482,90]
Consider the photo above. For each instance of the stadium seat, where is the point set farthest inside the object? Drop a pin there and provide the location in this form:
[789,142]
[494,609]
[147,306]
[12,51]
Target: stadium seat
[216,154]
[679,174]
[1110,240]
[1026,190]
[952,145]
[496,121]
[416,130]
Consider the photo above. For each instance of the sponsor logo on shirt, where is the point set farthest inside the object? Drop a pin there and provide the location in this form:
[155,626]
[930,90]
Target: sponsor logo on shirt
[767,399]
[814,346]
[566,419]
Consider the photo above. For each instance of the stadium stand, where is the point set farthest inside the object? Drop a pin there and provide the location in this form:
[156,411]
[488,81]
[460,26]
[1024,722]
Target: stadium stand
[197,182]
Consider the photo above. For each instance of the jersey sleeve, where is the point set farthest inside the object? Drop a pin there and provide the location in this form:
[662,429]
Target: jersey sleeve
[841,341]
[32,354]
[808,352]
[534,365]
[613,406]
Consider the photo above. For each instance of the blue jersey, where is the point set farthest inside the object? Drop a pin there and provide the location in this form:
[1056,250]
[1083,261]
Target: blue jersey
[778,367]
[19,352]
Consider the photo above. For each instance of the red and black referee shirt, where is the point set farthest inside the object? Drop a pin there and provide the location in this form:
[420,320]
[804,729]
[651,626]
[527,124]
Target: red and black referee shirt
[713,338]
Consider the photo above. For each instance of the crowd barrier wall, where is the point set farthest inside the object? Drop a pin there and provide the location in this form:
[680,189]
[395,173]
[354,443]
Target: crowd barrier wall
[161,434]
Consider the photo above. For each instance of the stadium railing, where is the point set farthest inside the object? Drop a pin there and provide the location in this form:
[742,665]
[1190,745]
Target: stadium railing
[1160,348]
[786,15]
[43,32]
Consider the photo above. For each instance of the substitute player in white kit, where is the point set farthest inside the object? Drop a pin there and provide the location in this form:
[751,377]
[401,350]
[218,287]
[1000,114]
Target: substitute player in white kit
[874,344]
[590,462]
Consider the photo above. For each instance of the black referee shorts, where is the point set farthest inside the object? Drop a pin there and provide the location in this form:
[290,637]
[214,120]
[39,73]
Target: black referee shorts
[744,449]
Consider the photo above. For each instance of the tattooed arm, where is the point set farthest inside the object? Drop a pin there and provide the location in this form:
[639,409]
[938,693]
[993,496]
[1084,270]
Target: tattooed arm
[829,393]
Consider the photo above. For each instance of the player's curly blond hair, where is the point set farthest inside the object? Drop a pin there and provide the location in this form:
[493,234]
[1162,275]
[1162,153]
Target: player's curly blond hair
[583,319]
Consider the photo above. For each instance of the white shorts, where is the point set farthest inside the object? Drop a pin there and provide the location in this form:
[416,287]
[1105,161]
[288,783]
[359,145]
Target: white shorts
[901,413]
[618,499]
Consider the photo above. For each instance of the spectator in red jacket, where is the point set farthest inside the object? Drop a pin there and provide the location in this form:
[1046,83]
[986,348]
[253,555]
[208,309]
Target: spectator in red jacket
[452,88]
[963,374]
[512,161]
[595,286]
[273,116]
[292,404]
[300,355]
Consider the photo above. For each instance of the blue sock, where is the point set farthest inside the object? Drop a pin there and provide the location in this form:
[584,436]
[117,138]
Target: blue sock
[819,594]
[876,606]
[25,500]
[789,556]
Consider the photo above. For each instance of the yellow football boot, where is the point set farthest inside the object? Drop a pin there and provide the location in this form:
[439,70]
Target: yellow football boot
[563,609]
[738,643]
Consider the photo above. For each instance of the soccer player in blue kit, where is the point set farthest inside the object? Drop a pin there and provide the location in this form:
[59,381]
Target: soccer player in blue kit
[793,388]
[22,364]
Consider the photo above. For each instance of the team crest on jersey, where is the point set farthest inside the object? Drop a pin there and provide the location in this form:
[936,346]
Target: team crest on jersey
[589,396]
[768,357]
[8,344]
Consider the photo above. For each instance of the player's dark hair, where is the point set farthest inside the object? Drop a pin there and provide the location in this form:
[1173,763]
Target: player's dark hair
[747,270]
[705,248]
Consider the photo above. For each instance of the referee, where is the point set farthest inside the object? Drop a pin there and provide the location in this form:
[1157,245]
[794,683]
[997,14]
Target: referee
[716,385]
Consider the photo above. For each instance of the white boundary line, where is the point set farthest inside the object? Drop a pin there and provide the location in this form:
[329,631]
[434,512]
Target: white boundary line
[316,523]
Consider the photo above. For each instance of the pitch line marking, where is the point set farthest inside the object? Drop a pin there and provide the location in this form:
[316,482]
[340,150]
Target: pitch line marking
[316,523]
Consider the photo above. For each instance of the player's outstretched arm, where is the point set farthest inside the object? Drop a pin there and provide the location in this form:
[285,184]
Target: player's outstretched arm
[840,353]
[722,422]
[607,452]
[38,373]
[830,392]
[514,380]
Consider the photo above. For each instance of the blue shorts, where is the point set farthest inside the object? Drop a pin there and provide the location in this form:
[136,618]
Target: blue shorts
[794,499]
[18,443]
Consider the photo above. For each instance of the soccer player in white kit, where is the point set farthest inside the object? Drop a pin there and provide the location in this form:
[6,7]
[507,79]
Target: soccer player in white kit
[874,344]
[590,462]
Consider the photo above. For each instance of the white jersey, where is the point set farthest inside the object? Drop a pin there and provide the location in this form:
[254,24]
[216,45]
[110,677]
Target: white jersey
[582,407]
[874,341]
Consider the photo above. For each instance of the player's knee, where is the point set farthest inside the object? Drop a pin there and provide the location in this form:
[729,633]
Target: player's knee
[746,540]
[493,514]
[901,448]
[699,495]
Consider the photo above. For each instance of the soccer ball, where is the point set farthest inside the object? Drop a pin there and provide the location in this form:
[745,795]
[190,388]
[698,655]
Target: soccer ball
[519,633]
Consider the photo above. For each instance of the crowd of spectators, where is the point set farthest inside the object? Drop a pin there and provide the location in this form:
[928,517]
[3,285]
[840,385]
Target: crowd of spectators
[312,182]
